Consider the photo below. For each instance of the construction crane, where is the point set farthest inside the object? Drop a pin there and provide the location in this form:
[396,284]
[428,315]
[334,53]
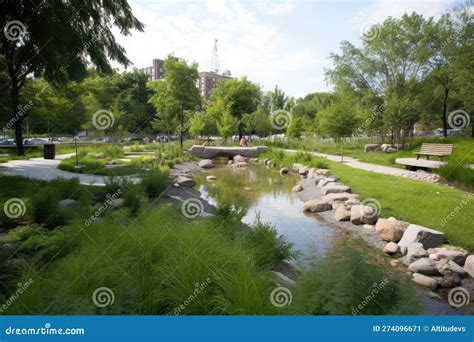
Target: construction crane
[215,66]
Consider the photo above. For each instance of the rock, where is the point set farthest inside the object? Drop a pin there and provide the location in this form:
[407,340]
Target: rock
[395,262]
[206,163]
[342,196]
[404,260]
[372,148]
[361,214]
[448,280]
[118,203]
[390,230]
[230,162]
[284,171]
[368,227]
[316,206]
[267,162]
[352,201]
[403,250]
[185,181]
[415,251]
[334,178]
[323,172]
[323,182]
[446,267]
[428,237]
[469,265]
[333,188]
[297,166]
[312,172]
[238,158]
[176,185]
[425,281]
[211,178]
[456,256]
[317,179]
[391,248]
[240,164]
[67,203]
[303,171]
[342,214]
[384,147]
[424,266]
[433,295]
[284,280]
[297,188]
[337,205]
[391,150]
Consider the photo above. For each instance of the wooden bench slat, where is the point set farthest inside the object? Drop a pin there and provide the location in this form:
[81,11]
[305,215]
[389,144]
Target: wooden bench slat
[438,150]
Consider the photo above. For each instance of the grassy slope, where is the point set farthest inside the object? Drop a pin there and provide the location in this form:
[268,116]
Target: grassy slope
[416,202]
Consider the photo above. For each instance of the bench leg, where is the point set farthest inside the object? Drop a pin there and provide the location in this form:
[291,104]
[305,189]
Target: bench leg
[427,157]
[417,156]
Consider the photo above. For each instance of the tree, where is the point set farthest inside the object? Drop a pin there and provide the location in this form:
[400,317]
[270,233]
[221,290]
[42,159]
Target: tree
[178,88]
[258,122]
[58,40]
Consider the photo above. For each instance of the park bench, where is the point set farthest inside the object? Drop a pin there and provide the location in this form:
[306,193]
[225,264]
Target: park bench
[437,150]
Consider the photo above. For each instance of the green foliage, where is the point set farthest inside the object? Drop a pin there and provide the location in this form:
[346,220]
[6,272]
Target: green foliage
[155,182]
[349,281]
[455,172]
[44,208]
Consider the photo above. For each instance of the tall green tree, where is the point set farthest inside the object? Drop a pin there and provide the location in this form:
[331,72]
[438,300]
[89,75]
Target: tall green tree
[57,41]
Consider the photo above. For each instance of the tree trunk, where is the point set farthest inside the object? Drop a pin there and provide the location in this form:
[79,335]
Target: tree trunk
[445,107]
[18,118]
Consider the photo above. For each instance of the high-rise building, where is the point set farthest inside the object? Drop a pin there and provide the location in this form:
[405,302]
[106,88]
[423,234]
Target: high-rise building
[157,70]
[208,81]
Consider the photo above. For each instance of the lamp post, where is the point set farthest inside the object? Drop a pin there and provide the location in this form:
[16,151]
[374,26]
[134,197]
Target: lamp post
[182,124]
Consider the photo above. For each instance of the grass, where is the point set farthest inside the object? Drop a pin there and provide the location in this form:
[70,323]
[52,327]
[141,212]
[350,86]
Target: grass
[432,205]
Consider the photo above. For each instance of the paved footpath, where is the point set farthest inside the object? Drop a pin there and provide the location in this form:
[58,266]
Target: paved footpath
[387,170]
[47,169]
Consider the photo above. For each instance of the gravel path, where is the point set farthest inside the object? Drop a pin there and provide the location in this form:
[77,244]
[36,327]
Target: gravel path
[387,170]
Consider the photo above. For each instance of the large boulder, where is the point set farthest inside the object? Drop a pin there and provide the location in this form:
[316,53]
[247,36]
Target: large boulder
[185,181]
[425,281]
[415,251]
[334,188]
[428,237]
[284,171]
[323,172]
[372,148]
[68,203]
[238,158]
[456,256]
[469,265]
[446,267]
[315,205]
[336,197]
[312,172]
[323,182]
[206,164]
[342,214]
[390,230]
[303,171]
[297,188]
[424,266]
[361,214]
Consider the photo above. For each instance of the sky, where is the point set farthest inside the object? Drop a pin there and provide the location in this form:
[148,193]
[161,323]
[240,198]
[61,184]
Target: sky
[285,43]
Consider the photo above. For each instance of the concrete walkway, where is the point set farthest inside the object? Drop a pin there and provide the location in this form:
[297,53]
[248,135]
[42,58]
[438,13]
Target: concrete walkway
[47,169]
[387,170]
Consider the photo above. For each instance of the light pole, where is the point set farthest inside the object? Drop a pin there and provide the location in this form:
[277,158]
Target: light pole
[182,126]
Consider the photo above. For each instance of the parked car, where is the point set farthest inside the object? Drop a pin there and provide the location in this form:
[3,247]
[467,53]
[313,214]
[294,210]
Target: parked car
[134,137]
[36,141]
[8,142]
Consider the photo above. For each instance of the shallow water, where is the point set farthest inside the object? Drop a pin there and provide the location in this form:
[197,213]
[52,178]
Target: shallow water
[264,193]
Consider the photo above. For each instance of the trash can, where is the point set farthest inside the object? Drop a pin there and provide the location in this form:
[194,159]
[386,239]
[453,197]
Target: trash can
[49,151]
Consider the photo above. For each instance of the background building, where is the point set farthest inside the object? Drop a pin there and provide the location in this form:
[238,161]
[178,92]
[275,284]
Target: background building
[208,81]
[157,70]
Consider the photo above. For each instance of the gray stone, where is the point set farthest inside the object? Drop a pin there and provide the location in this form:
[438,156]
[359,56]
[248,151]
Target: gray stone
[390,230]
[372,148]
[67,203]
[238,158]
[391,248]
[469,265]
[206,164]
[456,256]
[211,178]
[284,171]
[284,280]
[415,251]
[342,214]
[297,166]
[391,150]
[323,182]
[323,172]
[446,266]
[361,214]
[317,206]
[303,171]
[335,189]
[185,181]
[424,266]
[118,203]
[430,238]
[425,281]
[368,226]
[312,173]
[342,196]
[297,188]
[240,164]
[448,280]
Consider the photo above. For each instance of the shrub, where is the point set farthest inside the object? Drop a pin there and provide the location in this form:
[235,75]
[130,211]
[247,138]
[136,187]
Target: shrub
[133,197]
[44,208]
[454,172]
[154,182]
